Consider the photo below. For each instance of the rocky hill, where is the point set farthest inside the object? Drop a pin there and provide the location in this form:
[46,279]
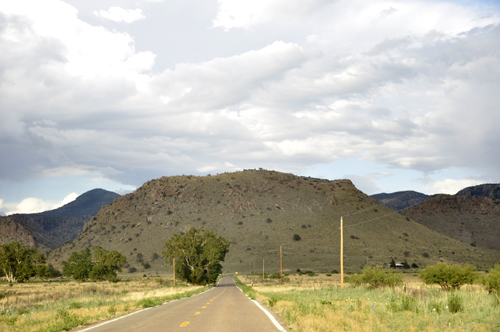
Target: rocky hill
[51,229]
[484,190]
[259,211]
[473,220]
[400,200]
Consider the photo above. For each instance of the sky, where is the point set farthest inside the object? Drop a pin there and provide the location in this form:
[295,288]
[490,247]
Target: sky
[393,95]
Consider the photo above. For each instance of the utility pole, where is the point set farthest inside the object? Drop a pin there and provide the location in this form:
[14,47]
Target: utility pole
[341,252]
[281,265]
[262,268]
[174,271]
[249,268]
[254,267]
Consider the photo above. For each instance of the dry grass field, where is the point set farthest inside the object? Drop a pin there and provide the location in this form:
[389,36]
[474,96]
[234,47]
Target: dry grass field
[318,303]
[63,305]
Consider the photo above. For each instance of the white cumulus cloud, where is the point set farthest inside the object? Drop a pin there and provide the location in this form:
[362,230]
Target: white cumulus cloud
[35,205]
[451,186]
[119,14]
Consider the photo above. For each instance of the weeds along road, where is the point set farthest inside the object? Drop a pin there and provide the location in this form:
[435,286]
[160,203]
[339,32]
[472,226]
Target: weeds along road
[223,308]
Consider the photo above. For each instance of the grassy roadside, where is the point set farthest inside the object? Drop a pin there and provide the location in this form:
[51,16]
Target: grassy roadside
[319,304]
[64,305]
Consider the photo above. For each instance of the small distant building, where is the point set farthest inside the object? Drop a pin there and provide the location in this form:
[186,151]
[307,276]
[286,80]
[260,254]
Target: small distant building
[399,265]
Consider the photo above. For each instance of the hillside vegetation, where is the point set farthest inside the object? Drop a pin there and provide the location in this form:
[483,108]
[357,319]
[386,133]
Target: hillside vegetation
[259,211]
[473,220]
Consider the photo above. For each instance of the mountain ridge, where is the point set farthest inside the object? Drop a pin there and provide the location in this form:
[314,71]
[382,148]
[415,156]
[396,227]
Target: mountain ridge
[259,211]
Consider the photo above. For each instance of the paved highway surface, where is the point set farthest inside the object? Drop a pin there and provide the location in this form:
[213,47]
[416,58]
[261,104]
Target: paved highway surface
[223,308]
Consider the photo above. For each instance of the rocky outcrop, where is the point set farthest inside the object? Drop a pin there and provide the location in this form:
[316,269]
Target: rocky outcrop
[484,190]
[11,231]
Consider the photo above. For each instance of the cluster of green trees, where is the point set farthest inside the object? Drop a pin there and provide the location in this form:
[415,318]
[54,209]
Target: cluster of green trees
[96,265]
[392,264]
[198,255]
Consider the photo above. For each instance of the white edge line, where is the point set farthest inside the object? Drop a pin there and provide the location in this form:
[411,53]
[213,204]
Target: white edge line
[275,322]
[113,320]
[136,312]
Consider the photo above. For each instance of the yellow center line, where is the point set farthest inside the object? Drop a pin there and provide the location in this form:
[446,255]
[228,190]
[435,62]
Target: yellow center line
[204,307]
[197,313]
[184,324]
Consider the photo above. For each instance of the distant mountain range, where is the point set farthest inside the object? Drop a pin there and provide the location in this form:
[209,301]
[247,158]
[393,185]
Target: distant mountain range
[51,229]
[471,216]
[400,200]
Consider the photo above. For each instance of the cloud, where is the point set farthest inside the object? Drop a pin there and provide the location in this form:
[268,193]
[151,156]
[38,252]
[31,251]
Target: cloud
[246,14]
[35,205]
[400,84]
[451,186]
[119,14]
[68,199]
[30,205]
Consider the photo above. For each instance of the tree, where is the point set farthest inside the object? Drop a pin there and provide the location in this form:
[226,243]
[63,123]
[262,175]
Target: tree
[19,263]
[449,276]
[101,265]
[105,264]
[492,281]
[78,265]
[198,255]
[392,263]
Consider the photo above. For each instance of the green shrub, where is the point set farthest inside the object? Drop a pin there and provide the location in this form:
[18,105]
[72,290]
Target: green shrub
[112,310]
[492,281]
[449,276]
[454,303]
[75,305]
[376,277]
[408,302]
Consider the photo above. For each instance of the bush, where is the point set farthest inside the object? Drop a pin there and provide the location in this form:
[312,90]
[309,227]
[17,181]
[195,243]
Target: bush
[449,276]
[492,281]
[408,302]
[377,277]
[454,303]
[296,237]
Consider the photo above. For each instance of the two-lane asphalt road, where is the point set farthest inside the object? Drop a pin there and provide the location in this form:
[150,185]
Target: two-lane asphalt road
[223,308]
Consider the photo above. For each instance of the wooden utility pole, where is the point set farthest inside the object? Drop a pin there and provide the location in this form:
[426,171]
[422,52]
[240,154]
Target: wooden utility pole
[341,252]
[281,265]
[174,271]
[263,269]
